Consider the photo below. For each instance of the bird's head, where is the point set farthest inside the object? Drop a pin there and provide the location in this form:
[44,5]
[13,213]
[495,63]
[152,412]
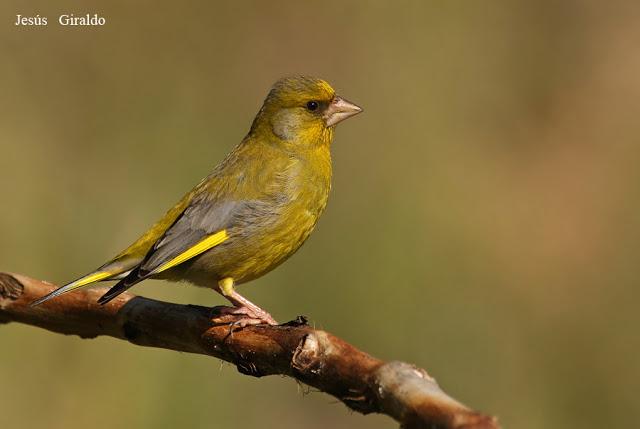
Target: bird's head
[303,109]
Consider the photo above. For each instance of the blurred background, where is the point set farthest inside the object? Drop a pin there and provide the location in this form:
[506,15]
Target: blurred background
[483,222]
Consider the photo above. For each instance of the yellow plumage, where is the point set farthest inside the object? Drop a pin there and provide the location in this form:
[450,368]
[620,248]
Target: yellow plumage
[252,212]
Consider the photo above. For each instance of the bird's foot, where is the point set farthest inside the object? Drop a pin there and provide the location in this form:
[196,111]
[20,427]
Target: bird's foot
[242,316]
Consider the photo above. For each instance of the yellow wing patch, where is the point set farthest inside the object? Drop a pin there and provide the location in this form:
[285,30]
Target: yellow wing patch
[202,246]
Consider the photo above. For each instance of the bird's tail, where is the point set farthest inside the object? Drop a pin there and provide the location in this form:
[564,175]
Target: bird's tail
[83,281]
[133,277]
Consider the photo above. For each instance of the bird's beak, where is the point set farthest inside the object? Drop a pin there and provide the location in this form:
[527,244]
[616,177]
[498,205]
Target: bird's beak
[338,110]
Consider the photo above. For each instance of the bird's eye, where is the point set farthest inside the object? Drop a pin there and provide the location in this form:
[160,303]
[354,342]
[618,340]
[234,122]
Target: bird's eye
[312,105]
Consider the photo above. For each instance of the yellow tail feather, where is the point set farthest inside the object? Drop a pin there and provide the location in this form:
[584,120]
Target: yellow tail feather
[82,281]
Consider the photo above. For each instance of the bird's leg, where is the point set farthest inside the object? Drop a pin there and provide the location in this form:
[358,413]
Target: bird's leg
[250,313]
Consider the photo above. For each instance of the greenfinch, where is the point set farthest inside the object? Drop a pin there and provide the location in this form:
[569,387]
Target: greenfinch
[249,215]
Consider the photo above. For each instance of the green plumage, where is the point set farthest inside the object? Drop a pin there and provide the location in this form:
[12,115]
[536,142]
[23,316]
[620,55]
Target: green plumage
[267,194]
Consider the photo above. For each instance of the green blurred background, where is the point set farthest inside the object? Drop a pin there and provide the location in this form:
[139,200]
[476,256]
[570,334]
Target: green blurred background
[483,222]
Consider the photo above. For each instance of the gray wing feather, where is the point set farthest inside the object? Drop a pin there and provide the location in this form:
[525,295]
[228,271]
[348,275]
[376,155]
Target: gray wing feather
[200,219]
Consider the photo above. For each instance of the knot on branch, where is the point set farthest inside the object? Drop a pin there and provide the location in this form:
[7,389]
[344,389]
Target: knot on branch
[321,359]
[306,356]
[10,287]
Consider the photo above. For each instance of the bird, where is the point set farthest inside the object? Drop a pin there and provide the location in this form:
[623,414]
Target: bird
[252,212]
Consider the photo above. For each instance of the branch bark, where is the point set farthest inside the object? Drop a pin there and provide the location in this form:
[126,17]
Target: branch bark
[314,357]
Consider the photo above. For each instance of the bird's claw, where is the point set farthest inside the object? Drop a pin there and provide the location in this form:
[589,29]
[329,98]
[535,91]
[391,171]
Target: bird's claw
[240,317]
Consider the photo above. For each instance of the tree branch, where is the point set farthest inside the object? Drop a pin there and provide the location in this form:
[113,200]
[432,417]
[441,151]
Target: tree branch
[317,358]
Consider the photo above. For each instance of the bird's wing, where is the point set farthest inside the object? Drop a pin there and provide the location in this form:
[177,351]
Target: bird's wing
[202,226]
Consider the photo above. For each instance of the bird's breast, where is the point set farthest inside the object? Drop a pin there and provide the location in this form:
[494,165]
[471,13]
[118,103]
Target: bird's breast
[303,200]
